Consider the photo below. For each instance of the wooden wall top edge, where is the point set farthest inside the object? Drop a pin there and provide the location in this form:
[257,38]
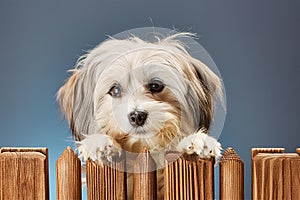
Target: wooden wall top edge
[41,150]
[256,151]
[277,156]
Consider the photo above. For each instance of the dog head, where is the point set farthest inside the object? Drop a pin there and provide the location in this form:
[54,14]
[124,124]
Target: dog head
[140,93]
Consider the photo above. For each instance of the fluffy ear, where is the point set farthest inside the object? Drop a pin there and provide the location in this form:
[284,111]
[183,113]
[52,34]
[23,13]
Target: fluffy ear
[65,96]
[75,98]
[204,92]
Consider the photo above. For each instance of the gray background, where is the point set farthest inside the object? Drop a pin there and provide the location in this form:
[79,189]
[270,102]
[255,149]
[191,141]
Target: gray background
[255,45]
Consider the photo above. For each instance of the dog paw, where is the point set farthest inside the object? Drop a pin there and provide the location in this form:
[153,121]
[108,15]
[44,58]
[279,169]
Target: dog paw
[98,147]
[200,143]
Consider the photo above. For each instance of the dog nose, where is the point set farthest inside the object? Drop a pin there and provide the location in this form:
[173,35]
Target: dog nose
[137,118]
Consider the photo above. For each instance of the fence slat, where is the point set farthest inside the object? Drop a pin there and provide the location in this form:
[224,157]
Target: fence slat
[231,176]
[68,176]
[208,172]
[24,174]
[144,177]
[188,176]
[170,190]
[275,174]
[106,181]
[295,182]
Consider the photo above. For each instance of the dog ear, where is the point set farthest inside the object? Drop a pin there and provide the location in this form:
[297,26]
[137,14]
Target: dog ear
[75,98]
[65,98]
[204,92]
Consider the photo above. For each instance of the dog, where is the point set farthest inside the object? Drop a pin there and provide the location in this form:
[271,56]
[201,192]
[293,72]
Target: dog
[126,94]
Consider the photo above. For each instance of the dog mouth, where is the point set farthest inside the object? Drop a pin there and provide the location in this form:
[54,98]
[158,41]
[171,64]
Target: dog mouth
[138,131]
[141,132]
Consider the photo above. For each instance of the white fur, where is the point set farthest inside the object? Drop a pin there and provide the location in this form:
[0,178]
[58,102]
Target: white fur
[98,147]
[200,143]
[99,121]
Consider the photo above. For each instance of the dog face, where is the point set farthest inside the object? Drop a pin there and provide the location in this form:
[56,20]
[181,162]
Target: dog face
[140,93]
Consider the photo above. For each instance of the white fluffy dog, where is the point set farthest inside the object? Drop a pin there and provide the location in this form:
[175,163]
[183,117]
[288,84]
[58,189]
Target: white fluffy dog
[130,93]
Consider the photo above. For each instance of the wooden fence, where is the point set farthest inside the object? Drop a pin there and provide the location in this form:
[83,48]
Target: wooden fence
[24,175]
[275,174]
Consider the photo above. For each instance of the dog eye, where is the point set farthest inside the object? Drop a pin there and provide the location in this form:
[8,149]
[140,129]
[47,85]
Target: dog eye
[155,86]
[115,91]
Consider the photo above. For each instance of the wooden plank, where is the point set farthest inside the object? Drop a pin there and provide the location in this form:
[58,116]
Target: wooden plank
[276,178]
[68,176]
[200,179]
[167,187]
[24,174]
[144,177]
[275,175]
[188,177]
[261,171]
[295,178]
[231,176]
[287,173]
[209,178]
[106,181]
[171,158]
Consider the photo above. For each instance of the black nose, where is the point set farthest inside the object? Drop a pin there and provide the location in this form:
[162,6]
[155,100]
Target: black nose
[137,118]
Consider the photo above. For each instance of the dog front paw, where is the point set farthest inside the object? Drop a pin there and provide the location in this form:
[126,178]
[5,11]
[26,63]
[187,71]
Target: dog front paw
[98,147]
[200,143]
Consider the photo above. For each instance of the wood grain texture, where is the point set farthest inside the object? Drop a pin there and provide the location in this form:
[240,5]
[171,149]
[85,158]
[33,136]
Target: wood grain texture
[24,174]
[275,175]
[231,176]
[144,177]
[106,181]
[68,176]
[256,151]
[188,177]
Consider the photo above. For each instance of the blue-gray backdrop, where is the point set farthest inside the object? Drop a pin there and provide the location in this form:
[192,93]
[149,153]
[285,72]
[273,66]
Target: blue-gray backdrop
[255,44]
